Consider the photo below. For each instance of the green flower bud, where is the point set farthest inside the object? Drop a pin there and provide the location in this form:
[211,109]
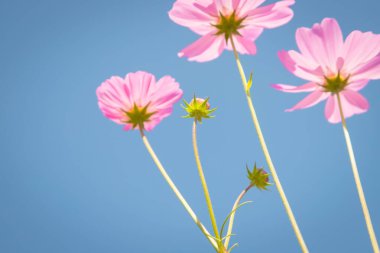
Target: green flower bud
[258,177]
[198,108]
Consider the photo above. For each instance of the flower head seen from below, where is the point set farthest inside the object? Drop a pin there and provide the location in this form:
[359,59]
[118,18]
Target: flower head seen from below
[199,109]
[258,177]
[219,21]
[335,69]
[138,101]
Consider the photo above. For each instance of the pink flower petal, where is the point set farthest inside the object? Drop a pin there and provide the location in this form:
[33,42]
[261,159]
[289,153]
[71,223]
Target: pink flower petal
[352,103]
[360,48]
[251,33]
[310,100]
[270,16]
[196,15]
[245,43]
[356,100]
[113,98]
[357,85]
[308,87]
[292,59]
[321,44]
[244,46]
[204,49]
[224,6]
[331,36]
[332,110]
[139,84]
[165,93]
[245,6]
[369,70]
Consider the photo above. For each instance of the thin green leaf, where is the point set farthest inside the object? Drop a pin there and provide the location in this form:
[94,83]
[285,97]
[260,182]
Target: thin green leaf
[249,84]
[229,215]
[232,247]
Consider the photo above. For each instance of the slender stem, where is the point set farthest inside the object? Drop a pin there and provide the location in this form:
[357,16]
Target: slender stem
[232,218]
[177,192]
[359,187]
[203,180]
[267,156]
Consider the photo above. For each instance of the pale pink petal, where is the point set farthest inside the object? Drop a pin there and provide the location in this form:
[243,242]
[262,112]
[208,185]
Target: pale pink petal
[291,61]
[369,70]
[196,15]
[127,127]
[358,102]
[114,114]
[352,103]
[302,61]
[113,99]
[206,48]
[207,6]
[332,110]
[165,93]
[357,85]
[310,100]
[151,124]
[251,33]
[245,42]
[245,6]
[360,48]
[117,91]
[308,87]
[331,37]
[224,6]
[244,46]
[139,84]
[322,44]
[270,16]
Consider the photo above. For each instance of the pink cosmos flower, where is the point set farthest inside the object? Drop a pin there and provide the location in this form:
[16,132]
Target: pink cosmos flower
[138,101]
[218,21]
[333,66]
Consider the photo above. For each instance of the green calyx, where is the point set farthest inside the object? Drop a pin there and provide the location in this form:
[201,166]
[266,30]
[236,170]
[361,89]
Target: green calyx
[198,109]
[138,116]
[258,177]
[335,84]
[229,25]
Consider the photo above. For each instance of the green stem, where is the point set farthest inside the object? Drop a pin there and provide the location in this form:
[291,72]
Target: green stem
[267,155]
[177,192]
[204,184]
[359,187]
[232,218]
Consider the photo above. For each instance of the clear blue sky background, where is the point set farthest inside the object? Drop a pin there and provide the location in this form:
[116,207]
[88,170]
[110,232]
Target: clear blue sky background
[71,181]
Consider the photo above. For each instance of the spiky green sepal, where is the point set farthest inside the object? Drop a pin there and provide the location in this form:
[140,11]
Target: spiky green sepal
[229,25]
[258,177]
[198,109]
[138,116]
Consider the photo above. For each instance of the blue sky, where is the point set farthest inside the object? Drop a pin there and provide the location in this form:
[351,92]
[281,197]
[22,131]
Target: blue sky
[73,181]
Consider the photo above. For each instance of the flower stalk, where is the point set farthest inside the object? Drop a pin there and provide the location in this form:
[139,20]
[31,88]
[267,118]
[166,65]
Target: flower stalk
[205,188]
[232,218]
[176,191]
[359,187]
[267,155]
